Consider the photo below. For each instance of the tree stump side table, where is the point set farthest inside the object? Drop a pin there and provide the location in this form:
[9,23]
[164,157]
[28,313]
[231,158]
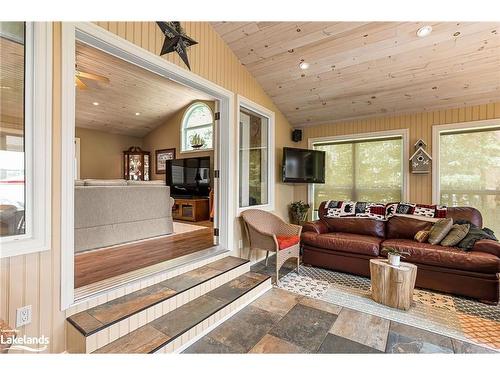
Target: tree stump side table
[393,286]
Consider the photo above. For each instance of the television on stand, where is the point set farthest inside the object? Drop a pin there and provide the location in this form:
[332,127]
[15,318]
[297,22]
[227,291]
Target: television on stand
[303,165]
[189,177]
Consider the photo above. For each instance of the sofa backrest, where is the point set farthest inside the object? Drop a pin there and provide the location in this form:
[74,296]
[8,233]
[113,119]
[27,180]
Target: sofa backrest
[465,213]
[395,227]
[368,227]
[405,227]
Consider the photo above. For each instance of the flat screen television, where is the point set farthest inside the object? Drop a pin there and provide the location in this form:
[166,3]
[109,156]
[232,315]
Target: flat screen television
[302,165]
[188,178]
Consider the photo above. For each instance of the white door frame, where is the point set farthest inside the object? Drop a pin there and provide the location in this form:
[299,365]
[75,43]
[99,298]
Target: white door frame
[108,42]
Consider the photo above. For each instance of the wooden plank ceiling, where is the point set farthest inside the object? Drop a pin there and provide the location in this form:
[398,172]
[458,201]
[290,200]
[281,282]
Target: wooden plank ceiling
[367,69]
[131,89]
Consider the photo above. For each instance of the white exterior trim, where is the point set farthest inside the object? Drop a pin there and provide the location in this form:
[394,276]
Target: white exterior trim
[404,133]
[241,101]
[436,142]
[38,145]
[97,37]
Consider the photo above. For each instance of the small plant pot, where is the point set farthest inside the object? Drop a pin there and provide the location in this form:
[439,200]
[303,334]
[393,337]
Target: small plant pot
[394,260]
[196,146]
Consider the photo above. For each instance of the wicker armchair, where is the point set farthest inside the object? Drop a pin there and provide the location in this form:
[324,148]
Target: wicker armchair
[265,231]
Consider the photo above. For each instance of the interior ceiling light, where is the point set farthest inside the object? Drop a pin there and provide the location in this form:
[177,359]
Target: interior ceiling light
[138,113]
[304,65]
[95,103]
[424,31]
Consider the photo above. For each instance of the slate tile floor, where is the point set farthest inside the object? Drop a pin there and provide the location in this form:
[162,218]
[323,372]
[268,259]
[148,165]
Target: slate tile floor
[284,322]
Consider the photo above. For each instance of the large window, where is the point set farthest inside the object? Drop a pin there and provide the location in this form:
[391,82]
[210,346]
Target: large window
[362,169]
[469,171]
[197,128]
[255,158]
[24,148]
[12,134]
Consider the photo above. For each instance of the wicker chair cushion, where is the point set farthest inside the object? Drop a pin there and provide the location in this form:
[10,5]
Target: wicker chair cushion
[284,242]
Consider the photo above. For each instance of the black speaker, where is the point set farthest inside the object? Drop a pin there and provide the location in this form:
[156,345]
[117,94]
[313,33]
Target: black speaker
[296,135]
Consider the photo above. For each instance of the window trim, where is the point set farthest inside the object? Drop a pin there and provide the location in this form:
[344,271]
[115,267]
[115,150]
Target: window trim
[241,101]
[183,128]
[38,144]
[403,133]
[437,130]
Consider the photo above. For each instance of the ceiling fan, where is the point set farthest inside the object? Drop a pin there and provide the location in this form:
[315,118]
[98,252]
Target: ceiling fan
[85,75]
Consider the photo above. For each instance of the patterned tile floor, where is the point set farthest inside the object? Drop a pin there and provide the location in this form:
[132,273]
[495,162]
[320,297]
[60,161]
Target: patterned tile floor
[281,321]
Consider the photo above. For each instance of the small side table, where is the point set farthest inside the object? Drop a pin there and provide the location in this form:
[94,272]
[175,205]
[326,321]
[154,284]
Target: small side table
[393,286]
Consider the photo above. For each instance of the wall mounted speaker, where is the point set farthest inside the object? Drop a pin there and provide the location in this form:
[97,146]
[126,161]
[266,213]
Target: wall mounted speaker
[297,135]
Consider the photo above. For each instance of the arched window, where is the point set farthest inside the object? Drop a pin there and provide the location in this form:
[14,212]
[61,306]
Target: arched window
[197,128]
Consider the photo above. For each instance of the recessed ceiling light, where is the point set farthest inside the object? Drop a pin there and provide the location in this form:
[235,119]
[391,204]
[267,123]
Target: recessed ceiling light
[304,65]
[95,103]
[138,113]
[424,31]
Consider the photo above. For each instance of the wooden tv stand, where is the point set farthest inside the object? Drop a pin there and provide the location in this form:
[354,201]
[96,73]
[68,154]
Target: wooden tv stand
[191,209]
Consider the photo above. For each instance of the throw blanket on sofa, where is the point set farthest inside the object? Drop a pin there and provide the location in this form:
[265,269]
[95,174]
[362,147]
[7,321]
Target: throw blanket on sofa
[382,211]
[475,234]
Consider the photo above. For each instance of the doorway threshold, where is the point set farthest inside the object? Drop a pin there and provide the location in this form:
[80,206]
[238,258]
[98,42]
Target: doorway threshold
[100,288]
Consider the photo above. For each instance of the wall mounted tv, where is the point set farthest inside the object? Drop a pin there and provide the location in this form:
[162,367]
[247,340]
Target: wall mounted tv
[302,165]
[188,178]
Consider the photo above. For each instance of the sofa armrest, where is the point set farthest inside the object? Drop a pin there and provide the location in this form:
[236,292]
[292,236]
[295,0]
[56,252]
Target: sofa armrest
[487,246]
[318,226]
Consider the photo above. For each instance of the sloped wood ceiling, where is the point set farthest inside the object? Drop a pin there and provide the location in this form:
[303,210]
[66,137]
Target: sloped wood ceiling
[360,70]
[131,90]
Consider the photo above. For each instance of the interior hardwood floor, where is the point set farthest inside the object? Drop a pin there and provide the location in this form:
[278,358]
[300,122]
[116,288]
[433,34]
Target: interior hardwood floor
[101,264]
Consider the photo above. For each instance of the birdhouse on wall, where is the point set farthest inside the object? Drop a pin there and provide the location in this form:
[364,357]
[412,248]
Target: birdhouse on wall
[420,161]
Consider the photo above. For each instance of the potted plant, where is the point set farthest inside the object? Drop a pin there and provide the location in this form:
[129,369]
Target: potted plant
[394,256]
[197,141]
[298,211]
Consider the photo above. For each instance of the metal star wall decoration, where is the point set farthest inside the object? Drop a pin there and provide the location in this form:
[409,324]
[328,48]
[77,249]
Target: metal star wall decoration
[175,40]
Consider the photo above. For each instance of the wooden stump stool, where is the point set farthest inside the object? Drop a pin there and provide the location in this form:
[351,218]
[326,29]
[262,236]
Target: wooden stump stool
[392,286]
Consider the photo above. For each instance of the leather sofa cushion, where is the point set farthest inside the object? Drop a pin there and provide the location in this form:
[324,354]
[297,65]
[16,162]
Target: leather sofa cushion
[405,227]
[367,227]
[345,242]
[448,257]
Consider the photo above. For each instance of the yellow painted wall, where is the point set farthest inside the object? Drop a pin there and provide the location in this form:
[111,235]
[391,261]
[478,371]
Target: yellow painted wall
[101,153]
[34,279]
[168,136]
[420,126]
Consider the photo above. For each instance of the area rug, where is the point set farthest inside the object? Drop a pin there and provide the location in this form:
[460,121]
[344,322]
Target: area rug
[456,317]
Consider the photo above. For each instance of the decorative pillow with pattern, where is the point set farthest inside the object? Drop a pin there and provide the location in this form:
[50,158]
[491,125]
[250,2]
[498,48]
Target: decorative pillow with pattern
[390,209]
[440,230]
[406,208]
[348,208]
[375,211]
[425,210]
[422,236]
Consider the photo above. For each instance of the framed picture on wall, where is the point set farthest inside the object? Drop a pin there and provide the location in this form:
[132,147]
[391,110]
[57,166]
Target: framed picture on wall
[161,157]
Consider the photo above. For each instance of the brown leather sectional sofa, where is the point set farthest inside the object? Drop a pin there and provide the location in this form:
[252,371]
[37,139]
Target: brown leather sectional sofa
[347,245]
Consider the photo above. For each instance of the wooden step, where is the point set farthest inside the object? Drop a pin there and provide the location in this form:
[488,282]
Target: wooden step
[93,328]
[181,327]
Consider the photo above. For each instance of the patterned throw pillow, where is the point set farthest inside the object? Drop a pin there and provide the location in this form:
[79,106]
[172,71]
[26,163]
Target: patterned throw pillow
[425,210]
[422,235]
[439,230]
[405,208]
[456,234]
[348,208]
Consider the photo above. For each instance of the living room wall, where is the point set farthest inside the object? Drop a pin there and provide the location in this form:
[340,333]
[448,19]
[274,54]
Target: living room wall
[420,126]
[35,279]
[168,135]
[101,153]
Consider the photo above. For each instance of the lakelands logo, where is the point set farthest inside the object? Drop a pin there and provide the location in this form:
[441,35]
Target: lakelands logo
[10,341]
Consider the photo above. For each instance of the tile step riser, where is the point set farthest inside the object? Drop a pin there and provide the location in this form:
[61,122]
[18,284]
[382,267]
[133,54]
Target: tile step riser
[82,344]
[201,329]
